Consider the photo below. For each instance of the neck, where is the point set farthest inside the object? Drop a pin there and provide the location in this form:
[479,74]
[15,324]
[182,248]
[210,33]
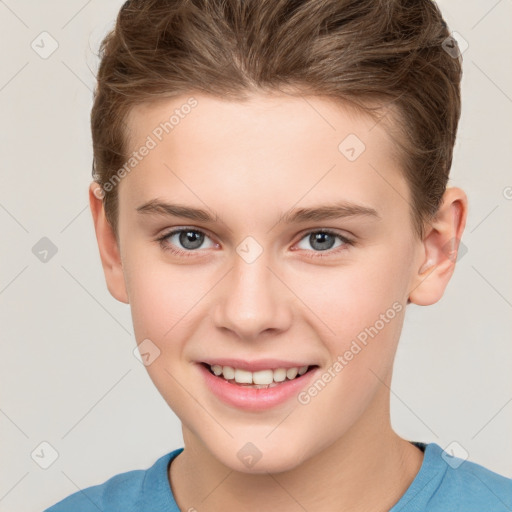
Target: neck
[368,468]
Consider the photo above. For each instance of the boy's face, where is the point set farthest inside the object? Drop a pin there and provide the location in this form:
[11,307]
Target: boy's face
[268,297]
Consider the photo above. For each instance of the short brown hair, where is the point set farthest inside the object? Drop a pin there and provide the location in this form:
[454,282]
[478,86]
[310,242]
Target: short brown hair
[358,51]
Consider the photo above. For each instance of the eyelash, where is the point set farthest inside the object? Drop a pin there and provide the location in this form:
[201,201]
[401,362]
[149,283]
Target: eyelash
[192,253]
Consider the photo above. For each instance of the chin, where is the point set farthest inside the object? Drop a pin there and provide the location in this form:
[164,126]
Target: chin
[254,461]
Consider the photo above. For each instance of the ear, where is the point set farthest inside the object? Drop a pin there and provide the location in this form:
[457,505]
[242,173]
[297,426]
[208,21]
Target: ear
[108,246]
[441,247]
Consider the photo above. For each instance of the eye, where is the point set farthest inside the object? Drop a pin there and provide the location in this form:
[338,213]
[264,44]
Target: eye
[188,241]
[188,238]
[324,240]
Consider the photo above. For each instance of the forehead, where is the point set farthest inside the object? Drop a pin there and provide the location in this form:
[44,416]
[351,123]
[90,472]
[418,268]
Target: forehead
[199,117]
[269,150]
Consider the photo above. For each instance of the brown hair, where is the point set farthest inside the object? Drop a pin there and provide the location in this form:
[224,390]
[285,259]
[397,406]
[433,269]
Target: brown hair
[360,51]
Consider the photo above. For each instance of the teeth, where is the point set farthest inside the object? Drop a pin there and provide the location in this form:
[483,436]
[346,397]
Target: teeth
[303,370]
[216,369]
[263,377]
[228,372]
[280,375]
[259,379]
[291,373]
[242,376]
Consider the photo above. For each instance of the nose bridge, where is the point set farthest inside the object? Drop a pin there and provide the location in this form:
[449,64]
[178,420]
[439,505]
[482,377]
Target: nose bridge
[252,299]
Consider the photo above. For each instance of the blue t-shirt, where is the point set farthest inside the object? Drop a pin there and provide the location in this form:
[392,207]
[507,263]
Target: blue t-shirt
[443,484]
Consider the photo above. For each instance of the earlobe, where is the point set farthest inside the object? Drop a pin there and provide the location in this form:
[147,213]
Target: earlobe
[108,246]
[441,246]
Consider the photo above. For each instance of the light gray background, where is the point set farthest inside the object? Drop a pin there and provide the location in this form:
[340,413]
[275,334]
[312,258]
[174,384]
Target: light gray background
[68,374]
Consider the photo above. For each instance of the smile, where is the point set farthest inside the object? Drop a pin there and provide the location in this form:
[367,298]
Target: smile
[259,385]
[261,379]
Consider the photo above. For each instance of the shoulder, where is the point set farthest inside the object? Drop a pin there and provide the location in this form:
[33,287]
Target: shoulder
[467,486]
[476,486]
[118,491]
[125,492]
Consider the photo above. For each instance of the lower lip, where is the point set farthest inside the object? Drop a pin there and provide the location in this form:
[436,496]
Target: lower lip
[252,399]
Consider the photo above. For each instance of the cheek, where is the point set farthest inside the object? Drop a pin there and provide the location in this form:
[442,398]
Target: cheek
[161,295]
[354,296]
[358,309]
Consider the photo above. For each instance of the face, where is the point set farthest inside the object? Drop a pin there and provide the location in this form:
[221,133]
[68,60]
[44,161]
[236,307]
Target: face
[303,255]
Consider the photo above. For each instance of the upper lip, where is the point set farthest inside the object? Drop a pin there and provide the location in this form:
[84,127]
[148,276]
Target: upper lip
[255,365]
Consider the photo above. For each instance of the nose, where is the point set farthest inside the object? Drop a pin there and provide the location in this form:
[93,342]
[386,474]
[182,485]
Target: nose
[252,302]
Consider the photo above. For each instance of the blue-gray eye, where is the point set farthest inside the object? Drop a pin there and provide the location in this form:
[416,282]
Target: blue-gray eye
[189,239]
[323,240]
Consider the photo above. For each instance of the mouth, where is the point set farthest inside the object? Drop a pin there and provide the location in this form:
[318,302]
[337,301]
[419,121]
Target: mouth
[263,378]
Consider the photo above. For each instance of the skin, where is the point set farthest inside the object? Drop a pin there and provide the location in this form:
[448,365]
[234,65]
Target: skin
[248,163]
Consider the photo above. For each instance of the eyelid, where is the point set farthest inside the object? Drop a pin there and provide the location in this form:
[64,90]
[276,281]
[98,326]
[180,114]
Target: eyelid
[178,229]
[331,231]
[347,240]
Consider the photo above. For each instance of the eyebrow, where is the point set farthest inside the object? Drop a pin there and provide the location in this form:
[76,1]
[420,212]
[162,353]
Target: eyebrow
[340,209]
